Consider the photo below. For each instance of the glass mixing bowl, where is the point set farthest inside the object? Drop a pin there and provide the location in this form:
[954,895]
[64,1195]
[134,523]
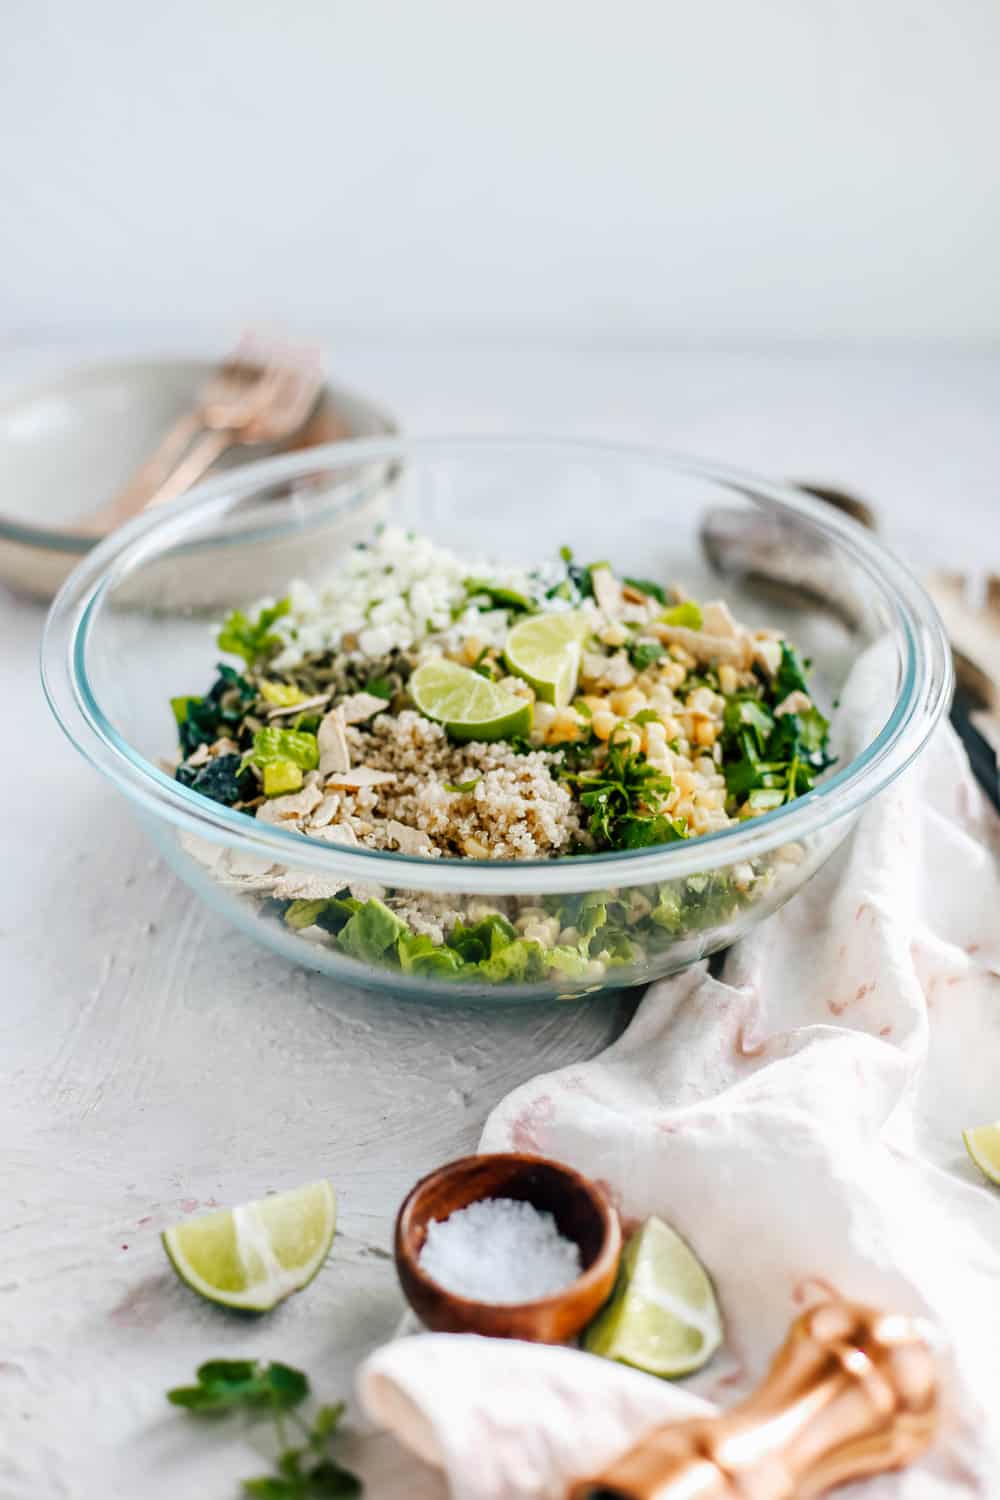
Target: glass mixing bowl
[132,627]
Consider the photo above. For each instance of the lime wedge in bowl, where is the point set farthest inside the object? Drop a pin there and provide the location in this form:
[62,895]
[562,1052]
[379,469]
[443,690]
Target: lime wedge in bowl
[254,1256]
[545,651]
[469,706]
[662,1316]
[983,1145]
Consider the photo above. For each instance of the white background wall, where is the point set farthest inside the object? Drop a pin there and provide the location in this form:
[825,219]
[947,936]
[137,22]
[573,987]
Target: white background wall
[528,169]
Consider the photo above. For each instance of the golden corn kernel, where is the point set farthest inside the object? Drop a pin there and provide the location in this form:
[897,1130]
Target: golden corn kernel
[728,678]
[614,634]
[654,737]
[603,724]
[595,703]
[685,782]
[565,727]
[673,673]
[627,701]
[472,649]
[706,732]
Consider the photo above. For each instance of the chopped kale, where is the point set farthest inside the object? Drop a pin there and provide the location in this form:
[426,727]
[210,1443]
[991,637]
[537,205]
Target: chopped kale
[221,779]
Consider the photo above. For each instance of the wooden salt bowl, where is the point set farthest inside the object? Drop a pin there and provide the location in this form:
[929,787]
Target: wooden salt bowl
[582,1214]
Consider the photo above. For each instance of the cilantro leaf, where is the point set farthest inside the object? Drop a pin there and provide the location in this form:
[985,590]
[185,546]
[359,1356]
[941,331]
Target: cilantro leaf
[329,1481]
[500,597]
[248,638]
[619,794]
[791,674]
[643,654]
[224,1384]
[641,833]
[277,1390]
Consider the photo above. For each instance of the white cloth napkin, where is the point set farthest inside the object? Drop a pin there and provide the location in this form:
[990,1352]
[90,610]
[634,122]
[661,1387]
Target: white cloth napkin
[799,1121]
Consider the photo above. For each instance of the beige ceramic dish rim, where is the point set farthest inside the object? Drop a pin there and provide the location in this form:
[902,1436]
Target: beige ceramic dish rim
[54,538]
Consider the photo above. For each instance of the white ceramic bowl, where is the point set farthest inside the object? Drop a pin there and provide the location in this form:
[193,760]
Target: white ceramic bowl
[69,445]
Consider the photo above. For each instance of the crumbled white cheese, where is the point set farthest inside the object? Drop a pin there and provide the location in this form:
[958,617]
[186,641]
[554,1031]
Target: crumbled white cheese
[389,595]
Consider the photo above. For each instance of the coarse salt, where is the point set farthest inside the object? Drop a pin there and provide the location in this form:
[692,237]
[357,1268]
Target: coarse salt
[499,1250]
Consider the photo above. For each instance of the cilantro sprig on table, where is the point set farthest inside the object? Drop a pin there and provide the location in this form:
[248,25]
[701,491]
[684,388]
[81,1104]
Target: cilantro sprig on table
[304,1469]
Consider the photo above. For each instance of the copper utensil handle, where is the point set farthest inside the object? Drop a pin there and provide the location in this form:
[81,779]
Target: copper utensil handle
[852,1392]
[210,446]
[134,495]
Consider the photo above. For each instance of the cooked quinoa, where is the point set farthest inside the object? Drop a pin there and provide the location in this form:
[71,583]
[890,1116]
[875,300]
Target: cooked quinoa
[680,722]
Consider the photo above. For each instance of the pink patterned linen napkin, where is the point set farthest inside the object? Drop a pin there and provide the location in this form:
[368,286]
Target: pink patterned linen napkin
[799,1121]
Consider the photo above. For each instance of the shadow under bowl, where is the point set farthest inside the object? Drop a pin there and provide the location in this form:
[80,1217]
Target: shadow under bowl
[582,1214]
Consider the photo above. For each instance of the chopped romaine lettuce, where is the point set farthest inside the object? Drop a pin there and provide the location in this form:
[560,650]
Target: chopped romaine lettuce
[271,746]
[371,931]
[280,694]
[281,776]
[687,614]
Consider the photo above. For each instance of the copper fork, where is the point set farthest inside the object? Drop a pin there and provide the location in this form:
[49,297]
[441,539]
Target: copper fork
[261,395]
[285,398]
[228,400]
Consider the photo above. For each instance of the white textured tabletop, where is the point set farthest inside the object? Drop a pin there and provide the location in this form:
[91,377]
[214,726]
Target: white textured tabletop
[154,1061]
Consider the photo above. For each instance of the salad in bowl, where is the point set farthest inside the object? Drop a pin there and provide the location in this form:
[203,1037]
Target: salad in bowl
[419,702]
[487,718]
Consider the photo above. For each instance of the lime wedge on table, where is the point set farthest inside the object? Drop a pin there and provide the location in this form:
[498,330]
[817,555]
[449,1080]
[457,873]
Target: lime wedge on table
[545,651]
[469,706]
[662,1316]
[256,1255]
[983,1145]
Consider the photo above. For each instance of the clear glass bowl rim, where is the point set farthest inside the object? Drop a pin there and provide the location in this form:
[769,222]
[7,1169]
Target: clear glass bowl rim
[923,696]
